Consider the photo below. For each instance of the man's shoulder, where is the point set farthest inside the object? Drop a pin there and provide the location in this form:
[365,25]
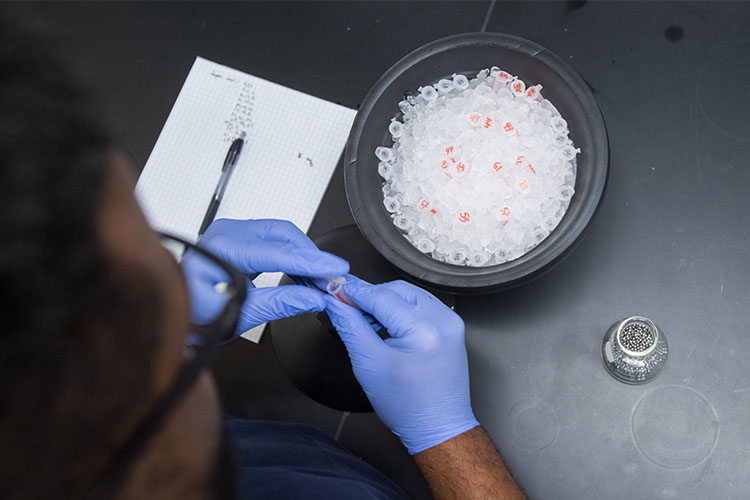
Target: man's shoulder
[290,460]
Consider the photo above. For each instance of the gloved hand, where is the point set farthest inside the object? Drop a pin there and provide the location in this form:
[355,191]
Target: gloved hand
[418,380]
[254,247]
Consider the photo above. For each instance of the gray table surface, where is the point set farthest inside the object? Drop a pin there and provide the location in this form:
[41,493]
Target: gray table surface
[670,241]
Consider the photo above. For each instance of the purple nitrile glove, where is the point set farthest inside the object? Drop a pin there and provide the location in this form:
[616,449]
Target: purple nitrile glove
[418,380]
[255,247]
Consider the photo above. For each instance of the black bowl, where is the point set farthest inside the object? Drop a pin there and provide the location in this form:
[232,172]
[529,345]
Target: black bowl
[468,53]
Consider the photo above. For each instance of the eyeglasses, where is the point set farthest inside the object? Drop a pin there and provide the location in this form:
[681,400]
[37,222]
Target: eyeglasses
[221,290]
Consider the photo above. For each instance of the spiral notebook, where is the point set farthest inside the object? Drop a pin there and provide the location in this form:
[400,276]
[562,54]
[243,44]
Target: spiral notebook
[293,143]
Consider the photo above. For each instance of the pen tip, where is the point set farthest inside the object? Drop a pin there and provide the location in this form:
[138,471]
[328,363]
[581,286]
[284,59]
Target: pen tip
[243,135]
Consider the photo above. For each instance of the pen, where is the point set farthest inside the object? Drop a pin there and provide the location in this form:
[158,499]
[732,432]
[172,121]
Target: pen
[226,172]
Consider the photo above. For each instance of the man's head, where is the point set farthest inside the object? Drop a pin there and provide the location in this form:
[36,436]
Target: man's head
[94,312]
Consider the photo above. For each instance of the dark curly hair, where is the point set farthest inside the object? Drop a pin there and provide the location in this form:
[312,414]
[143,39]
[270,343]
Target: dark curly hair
[78,331]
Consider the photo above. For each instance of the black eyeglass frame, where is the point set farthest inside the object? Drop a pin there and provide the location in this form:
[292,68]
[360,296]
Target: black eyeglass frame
[212,334]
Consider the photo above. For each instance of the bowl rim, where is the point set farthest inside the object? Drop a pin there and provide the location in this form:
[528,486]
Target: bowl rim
[468,279]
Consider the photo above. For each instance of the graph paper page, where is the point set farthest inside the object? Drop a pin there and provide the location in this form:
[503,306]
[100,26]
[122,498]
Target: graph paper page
[293,144]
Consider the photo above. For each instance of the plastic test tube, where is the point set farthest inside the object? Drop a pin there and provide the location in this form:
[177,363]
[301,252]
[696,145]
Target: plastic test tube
[335,287]
[332,286]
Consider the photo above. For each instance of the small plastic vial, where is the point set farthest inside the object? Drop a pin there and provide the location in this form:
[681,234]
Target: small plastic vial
[402,222]
[505,77]
[569,152]
[396,128]
[444,86]
[384,154]
[522,186]
[335,287]
[518,88]
[461,168]
[479,259]
[560,140]
[428,93]
[460,82]
[534,92]
[385,170]
[565,193]
[457,257]
[559,124]
[425,246]
[391,204]
[482,90]
[501,256]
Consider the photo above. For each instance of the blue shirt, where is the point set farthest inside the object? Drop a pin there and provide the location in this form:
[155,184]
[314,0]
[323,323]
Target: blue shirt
[278,461]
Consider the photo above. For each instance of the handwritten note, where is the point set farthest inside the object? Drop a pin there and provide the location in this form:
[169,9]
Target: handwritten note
[293,144]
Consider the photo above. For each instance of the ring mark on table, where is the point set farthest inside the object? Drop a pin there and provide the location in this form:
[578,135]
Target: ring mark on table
[536,425]
[674,427]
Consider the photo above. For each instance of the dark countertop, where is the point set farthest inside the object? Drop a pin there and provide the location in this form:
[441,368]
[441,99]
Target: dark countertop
[670,241]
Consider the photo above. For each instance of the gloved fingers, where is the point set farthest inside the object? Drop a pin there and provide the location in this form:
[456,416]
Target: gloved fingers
[318,283]
[201,276]
[303,281]
[283,231]
[219,226]
[271,303]
[389,308]
[410,293]
[195,264]
[351,277]
[407,291]
[360,339]
[271,256]
[258,246]
[414,294]
[253,230]
[374,323]
[206,303]
[314,283]
[429,306]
